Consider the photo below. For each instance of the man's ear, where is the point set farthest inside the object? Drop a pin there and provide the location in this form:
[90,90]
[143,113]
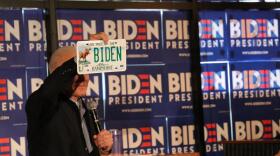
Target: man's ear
[80,78]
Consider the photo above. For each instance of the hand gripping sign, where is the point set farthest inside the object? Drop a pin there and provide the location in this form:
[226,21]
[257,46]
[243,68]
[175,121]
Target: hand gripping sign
[97,57]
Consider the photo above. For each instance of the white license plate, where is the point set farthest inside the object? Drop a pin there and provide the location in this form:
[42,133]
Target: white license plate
[97,57]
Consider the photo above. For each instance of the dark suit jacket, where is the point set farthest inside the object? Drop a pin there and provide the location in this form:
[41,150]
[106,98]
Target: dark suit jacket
[54,124]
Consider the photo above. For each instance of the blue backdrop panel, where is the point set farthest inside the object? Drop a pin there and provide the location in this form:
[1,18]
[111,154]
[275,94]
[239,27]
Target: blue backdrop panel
[35,78]
[181,135]
[34,39]
[215,106]
[13,141]
[12,96]
[262,126]
[141,29]
[176,37]
[76,25]
[178,93]
[216,110]
[135,94]
[255,87]
[217,130]
[215,90]
[142,136]
[11,36]
[255,100]
[253,35]
[212,34]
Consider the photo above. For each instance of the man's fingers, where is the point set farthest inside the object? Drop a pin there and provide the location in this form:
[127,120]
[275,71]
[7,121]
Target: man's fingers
[104,140]
[94,137]
[100,36]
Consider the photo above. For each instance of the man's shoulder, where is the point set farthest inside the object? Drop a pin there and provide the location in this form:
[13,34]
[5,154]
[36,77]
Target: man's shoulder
[33,96]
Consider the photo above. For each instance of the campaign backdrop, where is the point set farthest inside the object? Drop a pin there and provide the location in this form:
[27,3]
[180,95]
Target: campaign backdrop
[11,38]
[214,80]
[142,136]
[181,131]
[23,69]
[215,92]
[181,135]
[16,85]
[212,32]
[151,102]
[178,92]
[253,35]
[141,29]
[255,87]
[34,38]
[13,96]
[263,126]
[176,37]
[135,94]
[13,140]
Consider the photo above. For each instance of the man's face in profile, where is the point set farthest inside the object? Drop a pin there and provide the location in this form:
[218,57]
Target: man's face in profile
[80,85]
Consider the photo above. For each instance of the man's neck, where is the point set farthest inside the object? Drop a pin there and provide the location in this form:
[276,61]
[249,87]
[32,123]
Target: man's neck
[74,98]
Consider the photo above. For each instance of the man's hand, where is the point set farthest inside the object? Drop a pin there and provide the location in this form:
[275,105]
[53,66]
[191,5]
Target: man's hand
[278,154]
[100,36]
[104,142]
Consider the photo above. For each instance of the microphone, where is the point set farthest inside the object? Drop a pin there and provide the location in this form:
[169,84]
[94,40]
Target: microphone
[91,106]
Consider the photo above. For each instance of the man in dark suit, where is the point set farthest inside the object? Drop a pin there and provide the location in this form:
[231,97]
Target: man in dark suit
[58,122]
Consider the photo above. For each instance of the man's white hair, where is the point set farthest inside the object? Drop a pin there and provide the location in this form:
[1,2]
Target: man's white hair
[60,56]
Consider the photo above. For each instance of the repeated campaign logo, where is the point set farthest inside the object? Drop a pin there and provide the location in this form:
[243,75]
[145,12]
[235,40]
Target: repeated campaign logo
[134,89]
[11,96]
[212,35]
[72,30]
[254,32]
[179,91]
[141,34]
[36,30]
[264,129]
[256,84]
[214,85]
[141,30]
[176,37]
[10,31]
[213,81]
[182,138]
[144,140]
[176,30]
[13,146]
[135,94]
[179,87]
